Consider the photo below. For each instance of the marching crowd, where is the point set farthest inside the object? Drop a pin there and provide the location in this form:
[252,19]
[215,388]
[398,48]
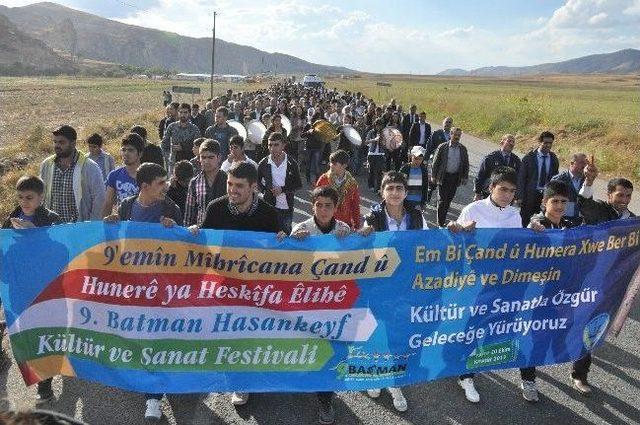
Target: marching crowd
[205,175]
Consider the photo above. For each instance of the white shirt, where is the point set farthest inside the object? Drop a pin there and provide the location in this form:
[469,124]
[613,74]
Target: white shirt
[227,164]
[278,178]
[394,225]
[423,126]
[488,215]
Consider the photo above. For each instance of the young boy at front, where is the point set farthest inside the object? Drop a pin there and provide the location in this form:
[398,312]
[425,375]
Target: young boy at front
[324,200]
[28,214]
[150,205]
[495,211]
[393,214]
[348,206]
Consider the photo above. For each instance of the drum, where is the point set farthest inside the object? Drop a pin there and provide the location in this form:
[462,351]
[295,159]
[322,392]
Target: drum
[325,130]
[239,128]
[352,135]
[286,124]
[392,138]
[255,131]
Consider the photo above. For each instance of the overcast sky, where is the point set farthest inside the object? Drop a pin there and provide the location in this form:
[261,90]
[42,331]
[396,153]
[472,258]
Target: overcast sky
[419,37]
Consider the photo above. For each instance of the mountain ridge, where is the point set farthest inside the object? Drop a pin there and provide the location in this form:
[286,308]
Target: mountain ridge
[85,35]
[625,61]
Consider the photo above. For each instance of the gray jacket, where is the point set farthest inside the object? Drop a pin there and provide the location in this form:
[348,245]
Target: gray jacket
[439,167]
[88,186]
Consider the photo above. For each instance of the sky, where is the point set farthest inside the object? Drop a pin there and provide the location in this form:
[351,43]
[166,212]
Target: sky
[409,37]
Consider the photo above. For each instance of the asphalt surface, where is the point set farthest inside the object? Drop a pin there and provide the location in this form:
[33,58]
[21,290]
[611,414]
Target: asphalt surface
[615,376]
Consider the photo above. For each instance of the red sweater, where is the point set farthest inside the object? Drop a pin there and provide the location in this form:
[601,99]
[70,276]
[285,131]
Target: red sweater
[348,209]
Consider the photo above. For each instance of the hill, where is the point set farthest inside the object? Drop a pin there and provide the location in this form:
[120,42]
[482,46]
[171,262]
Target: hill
[21,54]
[621,62]
[89,36]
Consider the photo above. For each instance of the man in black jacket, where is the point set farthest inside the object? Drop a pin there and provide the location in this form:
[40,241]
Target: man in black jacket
[502,157]
[440,136]
[619,191]
[278,180]
[420,132]
[537,168]
[450,169]
[616,207]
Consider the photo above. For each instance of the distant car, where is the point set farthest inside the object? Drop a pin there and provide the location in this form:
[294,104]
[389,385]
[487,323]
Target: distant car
[312,80]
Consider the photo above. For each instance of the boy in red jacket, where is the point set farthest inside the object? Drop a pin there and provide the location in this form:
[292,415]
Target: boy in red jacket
[348,208]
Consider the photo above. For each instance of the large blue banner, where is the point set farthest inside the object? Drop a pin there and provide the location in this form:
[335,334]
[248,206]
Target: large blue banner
[150,309]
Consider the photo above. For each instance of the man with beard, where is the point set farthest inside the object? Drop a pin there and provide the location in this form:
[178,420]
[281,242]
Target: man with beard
[197,118]
[221,131]
[74,188]
[177,142]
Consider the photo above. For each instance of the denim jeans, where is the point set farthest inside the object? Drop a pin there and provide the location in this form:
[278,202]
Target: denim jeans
[313,164]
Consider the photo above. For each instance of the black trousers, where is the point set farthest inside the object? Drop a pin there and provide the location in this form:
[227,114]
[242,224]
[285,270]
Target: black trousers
[325,397]
[530,207]
[446,193]
[394,156]
[580,368]
[376,168]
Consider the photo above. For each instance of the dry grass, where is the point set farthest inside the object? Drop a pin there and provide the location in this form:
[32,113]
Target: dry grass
[32,107]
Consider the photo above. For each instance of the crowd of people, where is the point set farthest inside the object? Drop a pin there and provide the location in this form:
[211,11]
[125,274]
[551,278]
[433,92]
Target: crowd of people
[204,175]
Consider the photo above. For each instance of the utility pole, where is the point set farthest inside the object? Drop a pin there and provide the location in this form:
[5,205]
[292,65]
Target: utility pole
[213,51]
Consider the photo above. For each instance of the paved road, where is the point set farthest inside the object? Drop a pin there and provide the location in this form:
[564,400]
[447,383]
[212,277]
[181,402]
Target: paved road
[615,376]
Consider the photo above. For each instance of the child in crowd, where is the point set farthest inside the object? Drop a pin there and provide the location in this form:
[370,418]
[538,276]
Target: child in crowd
[28,214]
[348,205]
[417,177]
[99,156]
[178,188]
[195,161]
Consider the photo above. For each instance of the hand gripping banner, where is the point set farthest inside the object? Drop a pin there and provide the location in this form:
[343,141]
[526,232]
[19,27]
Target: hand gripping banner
[149,309]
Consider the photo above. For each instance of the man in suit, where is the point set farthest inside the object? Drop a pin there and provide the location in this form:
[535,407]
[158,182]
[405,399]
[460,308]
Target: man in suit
[450,169]
[537,168]
[420,132]
[408,120]
[502,157]
[440,136]
[573,178]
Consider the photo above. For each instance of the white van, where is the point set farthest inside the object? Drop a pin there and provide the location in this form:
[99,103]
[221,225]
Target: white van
[312,80]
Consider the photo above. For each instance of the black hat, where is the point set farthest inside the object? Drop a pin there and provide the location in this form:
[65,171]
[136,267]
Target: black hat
[67,131]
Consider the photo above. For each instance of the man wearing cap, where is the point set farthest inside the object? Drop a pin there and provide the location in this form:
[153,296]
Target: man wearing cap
[502,157]
[74,187]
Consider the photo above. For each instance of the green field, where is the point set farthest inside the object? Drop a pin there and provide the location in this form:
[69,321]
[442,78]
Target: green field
[598,115]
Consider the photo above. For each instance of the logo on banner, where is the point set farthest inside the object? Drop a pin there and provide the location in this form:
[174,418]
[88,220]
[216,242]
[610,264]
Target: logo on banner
[361,365]
[595,330]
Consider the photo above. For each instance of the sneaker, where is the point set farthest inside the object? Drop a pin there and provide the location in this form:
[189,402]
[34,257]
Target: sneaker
[529,391]
[582,386]
[469,390]
[239,399]
[399,402]
[326,414]
[375,393]
[153,412]
[45,392]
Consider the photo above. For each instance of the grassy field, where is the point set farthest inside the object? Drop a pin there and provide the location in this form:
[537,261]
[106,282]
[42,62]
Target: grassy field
[592,114]
[32,107]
